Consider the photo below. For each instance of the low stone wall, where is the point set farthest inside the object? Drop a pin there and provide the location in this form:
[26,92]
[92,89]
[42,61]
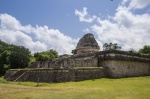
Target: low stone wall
[74,61]
[118,68]
[121,55]
[85,74]
[85,50]
[115,64]
[54,75]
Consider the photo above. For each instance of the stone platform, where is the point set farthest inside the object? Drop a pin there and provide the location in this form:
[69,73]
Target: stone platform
[54,75]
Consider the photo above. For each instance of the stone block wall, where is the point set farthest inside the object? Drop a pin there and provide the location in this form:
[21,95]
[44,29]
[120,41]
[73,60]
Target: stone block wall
[70,62]
[118,68]
[86,74]
[115,64]
[48,75]
[85,50]
[54,75]
[124,64]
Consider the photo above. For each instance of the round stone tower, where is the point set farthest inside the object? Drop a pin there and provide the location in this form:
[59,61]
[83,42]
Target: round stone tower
[87,44]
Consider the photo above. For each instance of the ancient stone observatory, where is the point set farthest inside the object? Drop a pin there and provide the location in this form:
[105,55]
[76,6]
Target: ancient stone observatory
[89,64]
[87,44]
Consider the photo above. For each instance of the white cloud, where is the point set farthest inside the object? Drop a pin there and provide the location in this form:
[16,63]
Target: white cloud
[100,44]
[84,16]
[86,30]
[138,4]
[9,24]
[124,2]
[125,28]
[35,38]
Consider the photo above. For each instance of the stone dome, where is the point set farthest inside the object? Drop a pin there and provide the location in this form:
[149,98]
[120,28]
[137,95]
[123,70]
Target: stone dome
[87,44]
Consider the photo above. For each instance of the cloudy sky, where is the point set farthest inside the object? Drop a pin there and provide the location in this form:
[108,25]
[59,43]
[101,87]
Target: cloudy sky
[40,25]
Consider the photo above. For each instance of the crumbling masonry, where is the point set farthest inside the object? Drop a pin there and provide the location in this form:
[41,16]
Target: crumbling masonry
[88,63]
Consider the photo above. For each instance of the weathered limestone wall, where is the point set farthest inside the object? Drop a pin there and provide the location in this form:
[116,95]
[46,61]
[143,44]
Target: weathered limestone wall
[87,44]
[54,75]
[118,68]
[39,64]
[85,50]
[86,74]
[75,61]
[124,64]
[115,64]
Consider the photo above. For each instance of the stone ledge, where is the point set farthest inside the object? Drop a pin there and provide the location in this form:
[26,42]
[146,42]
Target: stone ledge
[123,53]
[123,57]
[54,75]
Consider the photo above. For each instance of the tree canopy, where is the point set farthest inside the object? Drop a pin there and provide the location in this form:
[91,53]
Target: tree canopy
[145,50]
[44,56]
[111,46]
[12,56]
[74,51]
[19,57]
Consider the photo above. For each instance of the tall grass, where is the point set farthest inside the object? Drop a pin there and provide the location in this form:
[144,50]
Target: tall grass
[124,88]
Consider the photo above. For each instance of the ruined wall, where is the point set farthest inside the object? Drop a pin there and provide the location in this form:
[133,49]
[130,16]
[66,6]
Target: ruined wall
[124,64]
[85,50]
[118,68]
[38,75]
[54,75]
[39,64]
[87,44]
[86,74]
[85,66]
[83,60]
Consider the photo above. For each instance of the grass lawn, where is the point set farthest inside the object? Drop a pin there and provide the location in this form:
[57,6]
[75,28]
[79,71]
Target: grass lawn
[124,88]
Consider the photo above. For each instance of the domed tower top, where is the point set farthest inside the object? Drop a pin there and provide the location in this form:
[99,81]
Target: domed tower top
[87,44]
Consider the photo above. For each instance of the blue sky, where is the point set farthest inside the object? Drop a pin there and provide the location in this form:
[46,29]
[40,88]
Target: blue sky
[44,24]
[57,14]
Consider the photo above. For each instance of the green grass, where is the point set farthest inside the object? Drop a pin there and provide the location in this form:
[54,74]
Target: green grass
[124,88]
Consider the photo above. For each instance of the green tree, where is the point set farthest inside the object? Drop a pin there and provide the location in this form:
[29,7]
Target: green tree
[3,46]
[1,66]
[12,56]
[52,53]
[44,56]
[32,59]
[145,50]
[132,50]
[20,57]
[74,51]
[4,57]
[111,46]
